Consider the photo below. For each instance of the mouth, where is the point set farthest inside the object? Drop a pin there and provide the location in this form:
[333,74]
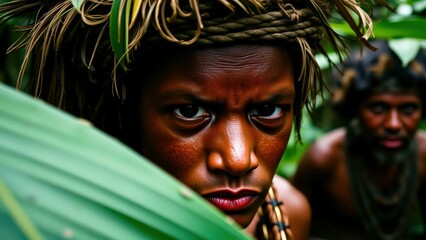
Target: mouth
[232,201]
[391,143]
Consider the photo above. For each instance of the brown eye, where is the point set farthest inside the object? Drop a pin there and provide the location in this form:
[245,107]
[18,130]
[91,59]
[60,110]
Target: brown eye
[377,108]
[190,112]
[409,109]
[270,117]
[267,111]
[190,117]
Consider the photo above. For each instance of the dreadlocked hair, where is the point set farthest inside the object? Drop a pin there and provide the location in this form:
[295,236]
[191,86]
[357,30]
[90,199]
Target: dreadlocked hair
[79,50]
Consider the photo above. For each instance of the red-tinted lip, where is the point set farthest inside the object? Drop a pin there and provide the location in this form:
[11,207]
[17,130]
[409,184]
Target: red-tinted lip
[391,142]
[231,201]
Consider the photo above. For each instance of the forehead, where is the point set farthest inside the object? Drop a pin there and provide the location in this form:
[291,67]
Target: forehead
[401,97]
[161,59]
[230,57]
[250,61]
[233,67]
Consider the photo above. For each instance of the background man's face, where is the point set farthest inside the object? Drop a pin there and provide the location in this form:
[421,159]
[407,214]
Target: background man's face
[389,121]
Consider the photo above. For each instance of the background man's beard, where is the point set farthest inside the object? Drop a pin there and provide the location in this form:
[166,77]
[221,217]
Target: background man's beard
[382,157]
[375,154]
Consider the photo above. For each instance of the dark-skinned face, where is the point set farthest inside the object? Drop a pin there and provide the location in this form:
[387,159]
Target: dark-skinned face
[390,121]
[219,121]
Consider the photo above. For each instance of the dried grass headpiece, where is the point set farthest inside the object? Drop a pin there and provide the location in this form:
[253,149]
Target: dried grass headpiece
[76,45]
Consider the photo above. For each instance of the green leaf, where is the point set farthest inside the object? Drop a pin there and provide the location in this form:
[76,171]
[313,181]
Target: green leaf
[77,4]
[406,48]
[119,30]
[17,213]
[73,181]
[394,27]
[135,10]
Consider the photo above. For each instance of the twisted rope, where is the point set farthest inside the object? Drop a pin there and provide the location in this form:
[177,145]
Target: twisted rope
[270,26]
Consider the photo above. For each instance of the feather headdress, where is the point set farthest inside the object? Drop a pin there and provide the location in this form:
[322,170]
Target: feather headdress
[103,36]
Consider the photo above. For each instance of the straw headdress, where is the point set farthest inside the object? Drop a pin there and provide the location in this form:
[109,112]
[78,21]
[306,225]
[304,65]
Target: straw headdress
[80,48]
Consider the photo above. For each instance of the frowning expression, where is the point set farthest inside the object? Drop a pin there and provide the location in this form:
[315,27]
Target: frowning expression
[219,120]
[390,120]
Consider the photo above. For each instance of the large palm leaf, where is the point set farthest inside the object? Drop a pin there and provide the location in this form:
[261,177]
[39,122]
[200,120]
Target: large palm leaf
[60,177]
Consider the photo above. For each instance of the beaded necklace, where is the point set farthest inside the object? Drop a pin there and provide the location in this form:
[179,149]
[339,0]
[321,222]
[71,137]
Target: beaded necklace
[273,222]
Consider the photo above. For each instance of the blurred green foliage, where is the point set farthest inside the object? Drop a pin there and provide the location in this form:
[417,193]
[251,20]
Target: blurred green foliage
[404,28]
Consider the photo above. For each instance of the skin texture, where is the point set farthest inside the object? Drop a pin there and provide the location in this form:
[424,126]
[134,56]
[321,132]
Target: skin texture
[219,121]
[389,121]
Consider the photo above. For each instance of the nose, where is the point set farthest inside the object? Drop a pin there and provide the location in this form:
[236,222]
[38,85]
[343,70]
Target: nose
[393,122]
[232,148]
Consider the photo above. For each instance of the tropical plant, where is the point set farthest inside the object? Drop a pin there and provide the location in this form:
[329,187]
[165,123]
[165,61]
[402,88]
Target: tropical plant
[88,185]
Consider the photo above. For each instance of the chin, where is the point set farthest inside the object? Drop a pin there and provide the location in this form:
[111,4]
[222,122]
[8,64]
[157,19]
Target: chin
[243,220]
[386,158]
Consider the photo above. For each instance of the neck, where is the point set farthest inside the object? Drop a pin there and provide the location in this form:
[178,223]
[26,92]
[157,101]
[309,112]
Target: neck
[385,176]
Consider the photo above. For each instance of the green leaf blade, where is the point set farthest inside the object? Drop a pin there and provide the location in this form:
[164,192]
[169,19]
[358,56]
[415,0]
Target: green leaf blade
[119,30]
[70,164]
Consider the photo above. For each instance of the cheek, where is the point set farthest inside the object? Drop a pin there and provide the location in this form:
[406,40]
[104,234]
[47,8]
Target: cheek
[412,123]
[172,153]
[175,155]
[370,122]
[271,149]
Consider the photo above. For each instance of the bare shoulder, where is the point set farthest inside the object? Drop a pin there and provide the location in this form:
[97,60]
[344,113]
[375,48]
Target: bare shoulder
[326,150]
[296,207]
[421,141]
[293,198]
[320,162]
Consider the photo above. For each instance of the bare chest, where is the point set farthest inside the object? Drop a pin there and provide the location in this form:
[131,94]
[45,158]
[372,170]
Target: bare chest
[339,188]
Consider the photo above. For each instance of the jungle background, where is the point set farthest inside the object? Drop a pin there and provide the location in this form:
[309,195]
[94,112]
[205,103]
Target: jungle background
[405,28]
